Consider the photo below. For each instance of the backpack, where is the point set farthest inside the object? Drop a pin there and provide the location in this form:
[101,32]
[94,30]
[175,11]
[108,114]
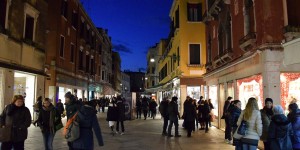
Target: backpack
[72,130]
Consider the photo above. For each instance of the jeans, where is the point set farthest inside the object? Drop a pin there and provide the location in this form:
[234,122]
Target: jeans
[171,122]
[122,126]
[48,140]
[227,129]
[249,147]
[166,120]
[14,145]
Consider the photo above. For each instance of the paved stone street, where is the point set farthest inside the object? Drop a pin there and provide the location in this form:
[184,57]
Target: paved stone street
[140,134]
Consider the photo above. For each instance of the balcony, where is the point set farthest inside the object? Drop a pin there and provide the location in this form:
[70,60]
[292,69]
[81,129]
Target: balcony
[208,66]
[217,60]
[227,55]
[291,32]
[213,9]
[248,41]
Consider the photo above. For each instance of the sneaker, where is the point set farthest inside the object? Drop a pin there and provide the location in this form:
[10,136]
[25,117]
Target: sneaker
[122,133]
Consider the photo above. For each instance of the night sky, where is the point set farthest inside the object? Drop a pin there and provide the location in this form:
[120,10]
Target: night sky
[134,25]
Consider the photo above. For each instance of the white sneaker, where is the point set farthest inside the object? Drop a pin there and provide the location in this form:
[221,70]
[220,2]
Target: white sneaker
[122,133]
[117,132]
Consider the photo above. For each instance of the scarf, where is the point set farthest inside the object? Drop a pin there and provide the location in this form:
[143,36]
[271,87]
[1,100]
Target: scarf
[269,112]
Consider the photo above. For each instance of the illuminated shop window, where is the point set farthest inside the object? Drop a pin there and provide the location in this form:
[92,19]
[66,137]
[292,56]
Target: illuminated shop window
[290,88]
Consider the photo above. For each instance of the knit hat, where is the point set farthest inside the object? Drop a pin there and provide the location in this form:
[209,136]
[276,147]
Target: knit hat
[268,100]
[277,109]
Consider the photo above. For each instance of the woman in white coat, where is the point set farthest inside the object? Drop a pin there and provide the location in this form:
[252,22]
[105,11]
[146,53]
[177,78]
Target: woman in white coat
[252,116]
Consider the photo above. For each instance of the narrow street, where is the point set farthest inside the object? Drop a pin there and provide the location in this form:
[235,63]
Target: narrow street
[139,134]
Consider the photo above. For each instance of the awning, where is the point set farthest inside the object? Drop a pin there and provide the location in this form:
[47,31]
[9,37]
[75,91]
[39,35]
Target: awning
[108,90]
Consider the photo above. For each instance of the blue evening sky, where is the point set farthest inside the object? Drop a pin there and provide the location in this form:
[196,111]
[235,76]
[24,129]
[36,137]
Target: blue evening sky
[134,25]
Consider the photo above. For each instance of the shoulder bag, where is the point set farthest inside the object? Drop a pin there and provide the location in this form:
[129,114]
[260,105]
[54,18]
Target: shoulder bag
[241,130]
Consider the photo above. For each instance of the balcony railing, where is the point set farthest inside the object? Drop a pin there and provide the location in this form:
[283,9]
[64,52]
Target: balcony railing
[291,32]
[227,55]
[248,41]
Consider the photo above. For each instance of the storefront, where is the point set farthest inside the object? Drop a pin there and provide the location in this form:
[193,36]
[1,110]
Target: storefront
[290,89]
[194,92]
[213,96]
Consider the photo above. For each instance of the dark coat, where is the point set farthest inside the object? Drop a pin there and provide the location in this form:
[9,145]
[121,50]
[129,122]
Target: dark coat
[88,121]
[60,108]
[44,119]
[295,120]
[189,113]
[266,120]
[121,111]
[112,112]
[163,108]
[72,108]
[234,116]
[21,120]
[173,111]
[203,111]
[145,105]
[225,109]
[280,133]
[153,106]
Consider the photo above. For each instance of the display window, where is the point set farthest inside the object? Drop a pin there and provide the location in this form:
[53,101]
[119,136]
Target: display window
[194,92]
[250,87]
[24,84]
[230,89]
[213,96]
[290,89]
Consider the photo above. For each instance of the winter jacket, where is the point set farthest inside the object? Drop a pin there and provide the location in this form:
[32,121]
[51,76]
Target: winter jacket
[138,105]
[225,109]
[266,119]
[112,112]
[280,133]
[189,111]
[173,111]
[88,121]
[145,105]
[49,117]
[234,116]
[60,108]
[21,120]
[153,106]
[121,111]
[294,118]
[72,108]
[163,108]
[203,111]
[254,129]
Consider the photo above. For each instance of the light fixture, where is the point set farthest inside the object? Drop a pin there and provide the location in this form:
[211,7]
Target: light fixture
[146,78]
[152,60]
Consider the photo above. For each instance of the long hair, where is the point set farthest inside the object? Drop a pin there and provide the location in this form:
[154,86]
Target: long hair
[250,107]
[16,97]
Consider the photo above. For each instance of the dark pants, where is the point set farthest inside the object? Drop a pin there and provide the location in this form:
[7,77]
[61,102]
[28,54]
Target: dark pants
[122,126]
[15,145]
[171,122]
[153,113]
[145,113]
[166,119]
[138,113]
[267,146]
[189,125]
[206,124]
[48,140]
[227,129]
[103,108]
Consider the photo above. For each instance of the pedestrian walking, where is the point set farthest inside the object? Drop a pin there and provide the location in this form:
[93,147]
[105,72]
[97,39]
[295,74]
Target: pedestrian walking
[266,115]
[280,131]
[16,119]
[138,107]
[252,116]
[49,120]
[89,125]
[234,116]
[145,107]
[163,108]
[173,117]
[189,115]
[112,115]
[226,116]
[121,115]
[211,115]
[72,107]
[60,107]
[294,118]
[152,107]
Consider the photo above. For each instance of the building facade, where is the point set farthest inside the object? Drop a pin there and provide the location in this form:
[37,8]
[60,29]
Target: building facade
[22,50]
[75,48]
[245,52]
[137,81]
[125,83]
[116,75]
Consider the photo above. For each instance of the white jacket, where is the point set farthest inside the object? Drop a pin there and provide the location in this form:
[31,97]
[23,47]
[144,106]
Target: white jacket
[254,130]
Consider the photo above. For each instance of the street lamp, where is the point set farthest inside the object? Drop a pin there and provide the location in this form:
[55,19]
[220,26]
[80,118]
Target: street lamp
[174,57]
[152,60]
[146,78]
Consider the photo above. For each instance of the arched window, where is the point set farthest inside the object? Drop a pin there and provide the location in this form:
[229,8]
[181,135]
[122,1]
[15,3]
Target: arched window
[249,21]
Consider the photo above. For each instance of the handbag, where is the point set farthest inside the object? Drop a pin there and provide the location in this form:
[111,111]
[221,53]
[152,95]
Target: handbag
[5,133]
[242,129]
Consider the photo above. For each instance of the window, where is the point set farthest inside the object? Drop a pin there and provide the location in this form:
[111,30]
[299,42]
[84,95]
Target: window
[249,20]
[177,18]
[102,75]
[209,49]
[82,29]
[29,24]
[64,8]
[194,12]
[87,63]
[99,70]
[178,56]
[100,49]
[163,72]
[72,53]
[3,4]
[194,54]
[92,66]
[74,19]
[80,60]
[62,46]
[293,13]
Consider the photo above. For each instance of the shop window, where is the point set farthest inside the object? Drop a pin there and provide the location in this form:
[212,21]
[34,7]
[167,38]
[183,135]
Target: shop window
[290,89]
[194,50]
[293,13]
[3,6]
[72,53]
[80,60]
[64,8]
[74,19]
[194,92]
[29,25]
[194,12]
[62,46]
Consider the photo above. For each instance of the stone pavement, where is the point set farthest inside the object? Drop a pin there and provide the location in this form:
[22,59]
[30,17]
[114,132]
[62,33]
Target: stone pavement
[139,135]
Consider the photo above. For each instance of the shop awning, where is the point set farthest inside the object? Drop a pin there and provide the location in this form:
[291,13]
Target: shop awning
[22,68]
[108,90]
